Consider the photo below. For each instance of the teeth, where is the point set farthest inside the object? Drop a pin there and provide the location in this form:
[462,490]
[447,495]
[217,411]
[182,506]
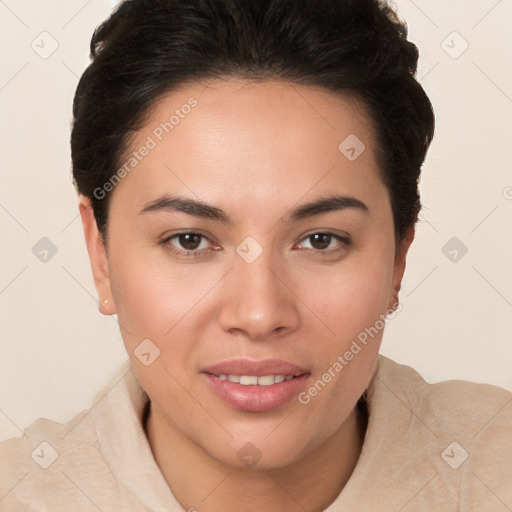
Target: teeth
[253,380]
[248,380]
[267,380]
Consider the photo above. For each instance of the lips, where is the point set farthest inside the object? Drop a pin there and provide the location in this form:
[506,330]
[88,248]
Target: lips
[257,368]
[255,386]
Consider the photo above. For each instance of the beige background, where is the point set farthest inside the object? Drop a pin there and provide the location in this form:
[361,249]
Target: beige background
[57,350]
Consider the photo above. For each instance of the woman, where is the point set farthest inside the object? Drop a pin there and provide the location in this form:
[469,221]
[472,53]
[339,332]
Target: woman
[248,178]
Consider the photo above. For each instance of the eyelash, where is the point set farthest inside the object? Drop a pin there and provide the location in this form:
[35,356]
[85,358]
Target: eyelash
[346,242]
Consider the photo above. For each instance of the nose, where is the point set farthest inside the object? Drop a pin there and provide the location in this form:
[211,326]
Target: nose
[258,302]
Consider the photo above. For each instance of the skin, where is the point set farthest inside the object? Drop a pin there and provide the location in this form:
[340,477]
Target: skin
[256,151]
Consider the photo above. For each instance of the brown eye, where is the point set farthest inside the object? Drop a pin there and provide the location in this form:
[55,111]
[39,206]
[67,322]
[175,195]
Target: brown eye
[190,241]
[326,243]
[320,241]
[188,244]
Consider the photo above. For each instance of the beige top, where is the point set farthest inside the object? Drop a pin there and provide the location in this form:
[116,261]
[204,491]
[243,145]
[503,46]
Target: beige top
[428,447]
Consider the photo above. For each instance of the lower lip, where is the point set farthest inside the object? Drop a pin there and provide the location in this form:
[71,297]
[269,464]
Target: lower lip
[256,398]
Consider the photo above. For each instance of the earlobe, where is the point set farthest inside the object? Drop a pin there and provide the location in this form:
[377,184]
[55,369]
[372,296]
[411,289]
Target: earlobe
[97,257]
[400,262]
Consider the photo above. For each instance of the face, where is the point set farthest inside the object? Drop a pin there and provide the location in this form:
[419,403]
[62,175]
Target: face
[244,243]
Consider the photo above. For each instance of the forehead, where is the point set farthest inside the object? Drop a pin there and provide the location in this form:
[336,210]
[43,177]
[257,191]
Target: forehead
[253,138]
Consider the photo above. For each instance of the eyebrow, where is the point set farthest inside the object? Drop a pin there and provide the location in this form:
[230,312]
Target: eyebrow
[200,209]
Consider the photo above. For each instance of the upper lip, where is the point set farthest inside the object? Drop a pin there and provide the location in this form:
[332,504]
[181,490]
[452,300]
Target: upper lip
[256,368]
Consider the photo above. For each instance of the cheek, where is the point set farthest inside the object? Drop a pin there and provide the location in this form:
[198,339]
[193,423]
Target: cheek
[155,300]
[350,302]
[351,297]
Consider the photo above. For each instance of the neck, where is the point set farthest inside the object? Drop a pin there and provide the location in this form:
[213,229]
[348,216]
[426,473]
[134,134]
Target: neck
[201,482]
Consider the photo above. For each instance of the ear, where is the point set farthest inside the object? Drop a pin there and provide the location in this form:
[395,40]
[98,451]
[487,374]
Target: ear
[399,268]
[97,256]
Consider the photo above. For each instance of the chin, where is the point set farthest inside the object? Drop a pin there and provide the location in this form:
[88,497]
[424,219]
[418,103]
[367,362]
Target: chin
[272,448]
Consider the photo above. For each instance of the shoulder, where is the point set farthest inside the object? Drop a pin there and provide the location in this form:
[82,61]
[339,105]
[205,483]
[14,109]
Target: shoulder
[452,437]
[45,457]
[57,464]
[452,405]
